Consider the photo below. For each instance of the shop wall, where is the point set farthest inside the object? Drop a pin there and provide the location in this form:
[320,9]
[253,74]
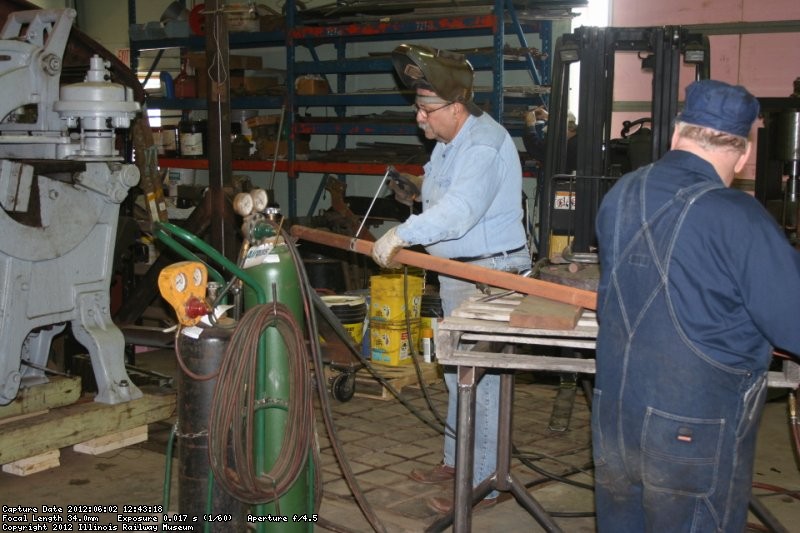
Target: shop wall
[765,63]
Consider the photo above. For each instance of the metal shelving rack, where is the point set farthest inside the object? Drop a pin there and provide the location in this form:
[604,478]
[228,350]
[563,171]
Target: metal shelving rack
[501,21]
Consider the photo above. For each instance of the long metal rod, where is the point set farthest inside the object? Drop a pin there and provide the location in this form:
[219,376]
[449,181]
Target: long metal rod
[495,278]
[468,378]
[277,149]
[372,203]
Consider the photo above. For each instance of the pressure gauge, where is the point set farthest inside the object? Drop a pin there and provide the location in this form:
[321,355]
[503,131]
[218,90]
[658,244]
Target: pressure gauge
[180,281]
[260,199]
[183,285]
[243,204]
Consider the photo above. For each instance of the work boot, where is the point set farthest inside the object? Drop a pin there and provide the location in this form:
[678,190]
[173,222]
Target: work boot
[438,474]
[445,505]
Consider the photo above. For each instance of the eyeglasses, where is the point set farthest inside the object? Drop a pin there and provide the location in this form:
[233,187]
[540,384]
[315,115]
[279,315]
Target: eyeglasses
[428,112]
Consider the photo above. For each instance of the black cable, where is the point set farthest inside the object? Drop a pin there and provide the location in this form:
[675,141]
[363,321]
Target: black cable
[336,325]
[414,354]
[311,300]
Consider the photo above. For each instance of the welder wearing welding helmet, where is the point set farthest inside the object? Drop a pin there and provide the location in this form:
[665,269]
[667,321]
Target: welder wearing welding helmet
[441,79]
[471,198]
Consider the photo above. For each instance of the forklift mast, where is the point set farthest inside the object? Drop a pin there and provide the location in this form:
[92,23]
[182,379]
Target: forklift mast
[661,50]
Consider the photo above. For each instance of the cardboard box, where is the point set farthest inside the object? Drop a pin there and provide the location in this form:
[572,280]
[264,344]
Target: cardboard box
[236,77]
[257,82]
[265,149]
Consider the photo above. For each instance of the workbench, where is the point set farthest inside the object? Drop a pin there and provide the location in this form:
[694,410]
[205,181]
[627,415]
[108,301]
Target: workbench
[489,324]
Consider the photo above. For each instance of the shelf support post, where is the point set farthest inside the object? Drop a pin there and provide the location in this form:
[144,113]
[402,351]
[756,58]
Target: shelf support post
[217,80]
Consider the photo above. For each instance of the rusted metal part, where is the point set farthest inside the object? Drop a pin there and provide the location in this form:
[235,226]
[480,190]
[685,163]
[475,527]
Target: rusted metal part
[149,176]
[579,275]
[495,278]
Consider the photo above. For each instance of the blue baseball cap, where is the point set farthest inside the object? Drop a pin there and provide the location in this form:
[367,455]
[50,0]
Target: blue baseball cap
[720,106]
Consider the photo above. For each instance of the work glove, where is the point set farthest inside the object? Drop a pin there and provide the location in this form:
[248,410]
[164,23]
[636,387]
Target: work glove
[406,187]
[384,249]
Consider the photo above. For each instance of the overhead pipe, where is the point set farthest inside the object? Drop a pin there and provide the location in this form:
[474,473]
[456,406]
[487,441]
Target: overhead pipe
[479,274]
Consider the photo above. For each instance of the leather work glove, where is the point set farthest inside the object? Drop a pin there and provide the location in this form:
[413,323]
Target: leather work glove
[384,248]
[406,187]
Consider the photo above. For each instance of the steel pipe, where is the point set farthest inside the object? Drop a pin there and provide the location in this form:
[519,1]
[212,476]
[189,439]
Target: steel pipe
[495,278]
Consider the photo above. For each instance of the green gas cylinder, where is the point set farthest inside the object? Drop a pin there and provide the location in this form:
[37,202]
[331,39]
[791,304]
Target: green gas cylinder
[271,265]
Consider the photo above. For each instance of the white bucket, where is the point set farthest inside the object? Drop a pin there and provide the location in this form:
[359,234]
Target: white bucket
[179,176]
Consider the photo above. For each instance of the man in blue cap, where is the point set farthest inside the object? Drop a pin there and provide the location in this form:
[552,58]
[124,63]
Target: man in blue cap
[698,286]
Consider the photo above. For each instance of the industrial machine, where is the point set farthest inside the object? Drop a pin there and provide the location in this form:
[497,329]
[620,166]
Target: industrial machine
[61,182]
[778,162]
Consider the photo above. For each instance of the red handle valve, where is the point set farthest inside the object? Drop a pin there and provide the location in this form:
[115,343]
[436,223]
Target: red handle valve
[195,307]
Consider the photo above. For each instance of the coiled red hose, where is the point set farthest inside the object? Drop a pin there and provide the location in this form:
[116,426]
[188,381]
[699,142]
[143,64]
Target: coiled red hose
[234,404]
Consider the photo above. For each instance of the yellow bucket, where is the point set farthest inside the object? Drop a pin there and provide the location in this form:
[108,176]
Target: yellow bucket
[388,298]
[389,341]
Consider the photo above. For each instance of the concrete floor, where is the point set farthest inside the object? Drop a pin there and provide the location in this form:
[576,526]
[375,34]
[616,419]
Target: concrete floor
[383,442]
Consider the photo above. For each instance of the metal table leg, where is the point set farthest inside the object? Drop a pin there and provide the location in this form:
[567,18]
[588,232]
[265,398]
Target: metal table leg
[502,479]
[468,378]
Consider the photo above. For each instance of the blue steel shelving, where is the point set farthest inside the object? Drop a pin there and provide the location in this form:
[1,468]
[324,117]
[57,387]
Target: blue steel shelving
[501,21]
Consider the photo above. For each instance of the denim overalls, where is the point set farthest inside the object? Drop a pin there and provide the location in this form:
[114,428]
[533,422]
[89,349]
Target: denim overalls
[673,430]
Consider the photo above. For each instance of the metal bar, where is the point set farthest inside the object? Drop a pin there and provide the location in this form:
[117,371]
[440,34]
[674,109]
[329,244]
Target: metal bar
[505,424]
[291,104]
[465,448]
[534,72]
[567,52]
[496,278]
[317,195]
[498,37]
[742,28]
[765,516]
[372,29]
[223,236]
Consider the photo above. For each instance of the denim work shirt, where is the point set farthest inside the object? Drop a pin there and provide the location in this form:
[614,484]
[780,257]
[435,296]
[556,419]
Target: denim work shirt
[734,278]
[471,195]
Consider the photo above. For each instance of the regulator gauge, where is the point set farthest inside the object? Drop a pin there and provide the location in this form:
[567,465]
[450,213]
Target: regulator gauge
[180,282]
[243,204]
[184,285]
[197,277]
[260,199]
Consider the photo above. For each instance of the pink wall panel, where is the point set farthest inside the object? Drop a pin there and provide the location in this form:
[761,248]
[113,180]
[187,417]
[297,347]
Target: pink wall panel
[630,82]
[769,63]
[725,57]
[765,63]
[756,10]
[632,13]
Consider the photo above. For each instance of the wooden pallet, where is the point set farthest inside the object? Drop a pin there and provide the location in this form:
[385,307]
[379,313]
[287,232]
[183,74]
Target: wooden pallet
[113,441]
[90,425]
[32,465]
[59,391]
[399,377]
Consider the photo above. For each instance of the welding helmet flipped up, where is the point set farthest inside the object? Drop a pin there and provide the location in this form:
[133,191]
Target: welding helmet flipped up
[448,74]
